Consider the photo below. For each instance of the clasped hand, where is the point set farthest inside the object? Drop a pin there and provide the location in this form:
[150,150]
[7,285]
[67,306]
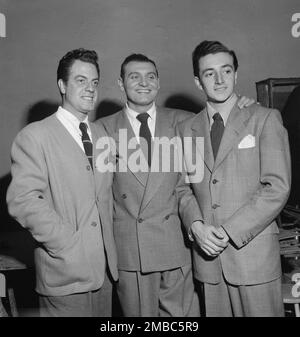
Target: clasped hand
[211,240]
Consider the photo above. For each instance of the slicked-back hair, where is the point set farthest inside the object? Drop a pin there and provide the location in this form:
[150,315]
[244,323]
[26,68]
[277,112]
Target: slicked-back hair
[211,47]
[136,58]
[84,55]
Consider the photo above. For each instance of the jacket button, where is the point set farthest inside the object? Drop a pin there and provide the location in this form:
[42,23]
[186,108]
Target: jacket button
[214,206]
[124,196]
[94,224]
[88,167]
[140,220]
[215,181]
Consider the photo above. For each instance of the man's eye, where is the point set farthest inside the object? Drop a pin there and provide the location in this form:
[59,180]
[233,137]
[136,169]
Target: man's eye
[208,75]
[96,83]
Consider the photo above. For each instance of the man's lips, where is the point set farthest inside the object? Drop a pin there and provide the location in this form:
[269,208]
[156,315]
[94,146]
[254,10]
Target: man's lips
[88,98]
[220,89]
[143,91]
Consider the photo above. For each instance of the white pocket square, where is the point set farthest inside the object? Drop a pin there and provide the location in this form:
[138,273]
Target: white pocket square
[247,142]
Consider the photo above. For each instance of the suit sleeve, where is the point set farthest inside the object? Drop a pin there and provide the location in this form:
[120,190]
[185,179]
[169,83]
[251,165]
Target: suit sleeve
[26,194]
[188,207]
[275,180]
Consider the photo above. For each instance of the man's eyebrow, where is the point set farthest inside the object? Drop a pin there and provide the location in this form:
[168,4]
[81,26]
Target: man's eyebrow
[83,76]
[223,66]
[133,73]
[80,76]
[138,73]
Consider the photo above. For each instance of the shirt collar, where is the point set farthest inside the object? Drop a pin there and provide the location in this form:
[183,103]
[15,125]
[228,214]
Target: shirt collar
[132,114]
[224,110]
[70,118]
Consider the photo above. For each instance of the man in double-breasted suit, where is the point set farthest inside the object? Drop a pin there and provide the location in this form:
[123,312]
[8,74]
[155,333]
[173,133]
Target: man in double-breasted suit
[58,194]
[154,260]
[245,185]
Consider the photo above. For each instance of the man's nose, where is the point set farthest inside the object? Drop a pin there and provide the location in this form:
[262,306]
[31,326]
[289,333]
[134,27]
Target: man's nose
[219,78]
[143,81]
[90,87]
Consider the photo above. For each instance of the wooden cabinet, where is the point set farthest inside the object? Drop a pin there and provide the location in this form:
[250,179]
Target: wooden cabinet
[273,92]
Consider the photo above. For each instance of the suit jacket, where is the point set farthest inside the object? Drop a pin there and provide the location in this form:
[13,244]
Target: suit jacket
[147,225]
[66,206]
[243,190]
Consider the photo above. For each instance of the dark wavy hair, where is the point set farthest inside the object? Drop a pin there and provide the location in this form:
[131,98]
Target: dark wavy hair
[135,58]
[89,56]
[210,47]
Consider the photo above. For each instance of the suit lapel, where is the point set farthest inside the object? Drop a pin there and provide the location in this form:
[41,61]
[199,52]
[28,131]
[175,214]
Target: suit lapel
[201,129]
[163,128]
[234,126]
[98,177]
[124,124]
[70,144]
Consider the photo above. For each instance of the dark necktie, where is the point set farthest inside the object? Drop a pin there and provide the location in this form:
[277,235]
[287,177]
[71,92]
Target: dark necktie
[87,144]
[145,132]
[216,133]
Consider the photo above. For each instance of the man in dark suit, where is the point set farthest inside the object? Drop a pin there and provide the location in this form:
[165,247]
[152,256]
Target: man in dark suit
[150,204]
[245,185]
[291,120]
[59,194]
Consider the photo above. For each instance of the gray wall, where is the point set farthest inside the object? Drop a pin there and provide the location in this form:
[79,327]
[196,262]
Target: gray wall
[39,32]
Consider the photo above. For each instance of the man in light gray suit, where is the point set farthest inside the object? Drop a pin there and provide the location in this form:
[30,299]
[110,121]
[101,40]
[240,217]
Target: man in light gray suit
[59,195]
[245,185]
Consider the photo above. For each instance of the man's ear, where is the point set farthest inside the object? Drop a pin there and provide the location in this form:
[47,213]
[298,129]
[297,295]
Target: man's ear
[120,83]
[235,78]
[62,87]
[198,83]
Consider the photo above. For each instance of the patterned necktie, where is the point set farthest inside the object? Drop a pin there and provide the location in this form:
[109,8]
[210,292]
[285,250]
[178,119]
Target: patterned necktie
[145,132]
[216,133]
[87,144]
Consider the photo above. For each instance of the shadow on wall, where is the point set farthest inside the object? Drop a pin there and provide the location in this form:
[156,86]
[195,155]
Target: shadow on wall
[184,102]
[40,110]
[7,223]
[108,107]
[21,244]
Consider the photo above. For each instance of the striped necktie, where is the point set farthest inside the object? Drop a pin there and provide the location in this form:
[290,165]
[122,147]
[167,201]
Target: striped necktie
[87,144]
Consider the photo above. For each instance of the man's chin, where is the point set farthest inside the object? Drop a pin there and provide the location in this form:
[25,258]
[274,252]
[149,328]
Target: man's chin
[220,100]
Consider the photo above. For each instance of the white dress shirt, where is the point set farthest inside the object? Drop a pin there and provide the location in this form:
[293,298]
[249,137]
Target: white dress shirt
[224,111]
[135,123]
[71,123]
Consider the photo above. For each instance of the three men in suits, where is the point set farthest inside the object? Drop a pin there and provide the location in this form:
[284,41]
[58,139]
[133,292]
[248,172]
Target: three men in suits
[58,194]
[245,185]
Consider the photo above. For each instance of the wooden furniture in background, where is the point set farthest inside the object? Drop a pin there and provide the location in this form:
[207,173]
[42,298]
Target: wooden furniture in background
[289,240]
[8,264]
[274,92]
